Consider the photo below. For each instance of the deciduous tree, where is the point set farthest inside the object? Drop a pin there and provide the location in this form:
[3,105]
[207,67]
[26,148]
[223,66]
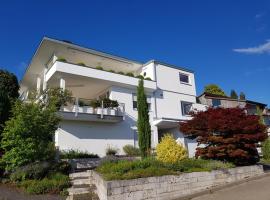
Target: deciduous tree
[214,89]
[226,134]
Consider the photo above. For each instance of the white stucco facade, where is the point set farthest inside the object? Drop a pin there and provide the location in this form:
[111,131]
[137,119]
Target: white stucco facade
[93,131]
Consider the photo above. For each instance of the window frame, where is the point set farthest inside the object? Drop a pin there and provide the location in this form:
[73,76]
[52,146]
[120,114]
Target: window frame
[188,78]
[148,99]
[182,108]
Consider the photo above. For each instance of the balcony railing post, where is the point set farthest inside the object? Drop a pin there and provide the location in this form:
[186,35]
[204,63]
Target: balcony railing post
[76,106]
[102,107]
[124,112]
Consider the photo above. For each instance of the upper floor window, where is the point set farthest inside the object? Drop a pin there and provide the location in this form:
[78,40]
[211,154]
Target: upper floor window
[184,78]
[135,104]
[186,107]
[216,102]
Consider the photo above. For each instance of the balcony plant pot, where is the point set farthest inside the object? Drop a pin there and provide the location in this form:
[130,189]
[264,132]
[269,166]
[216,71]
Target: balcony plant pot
[99,111]
[113,111]
[88,109]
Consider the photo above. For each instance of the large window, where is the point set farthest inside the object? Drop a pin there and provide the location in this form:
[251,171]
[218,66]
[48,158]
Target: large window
[135,104]
[184,78]
[186,107]
[216,102]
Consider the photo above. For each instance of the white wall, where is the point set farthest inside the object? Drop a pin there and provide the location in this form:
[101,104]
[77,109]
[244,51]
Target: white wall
[149,71]
[169,104]
[94,137]
[171,92]
[168,79]
[125,95]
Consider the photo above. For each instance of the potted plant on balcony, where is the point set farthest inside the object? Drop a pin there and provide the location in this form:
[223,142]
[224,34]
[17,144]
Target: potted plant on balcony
[113,106]
[96,105]
[85,107]
[106,106]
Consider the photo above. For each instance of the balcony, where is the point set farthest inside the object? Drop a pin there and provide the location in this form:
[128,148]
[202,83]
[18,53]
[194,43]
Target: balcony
[66,70]
[79,109]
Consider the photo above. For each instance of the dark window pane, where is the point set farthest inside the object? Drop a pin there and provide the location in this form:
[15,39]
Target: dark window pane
[216,102]
[184,78]
[134,104]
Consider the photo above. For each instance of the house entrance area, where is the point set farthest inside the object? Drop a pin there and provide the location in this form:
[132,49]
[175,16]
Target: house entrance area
[171,126]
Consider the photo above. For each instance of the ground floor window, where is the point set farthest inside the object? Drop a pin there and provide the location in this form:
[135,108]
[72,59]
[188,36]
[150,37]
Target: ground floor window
[186,107]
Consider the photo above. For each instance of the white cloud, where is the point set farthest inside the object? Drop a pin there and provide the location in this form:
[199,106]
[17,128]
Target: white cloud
[263,48]
[259,15]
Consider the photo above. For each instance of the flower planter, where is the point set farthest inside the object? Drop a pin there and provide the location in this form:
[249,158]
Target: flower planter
[88,109]
[113,111]
[105,111]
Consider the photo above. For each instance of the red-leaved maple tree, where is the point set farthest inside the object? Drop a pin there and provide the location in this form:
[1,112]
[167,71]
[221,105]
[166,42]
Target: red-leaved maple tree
[226,134]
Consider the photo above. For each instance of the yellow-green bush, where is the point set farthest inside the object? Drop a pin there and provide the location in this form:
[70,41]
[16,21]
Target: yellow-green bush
[169,151]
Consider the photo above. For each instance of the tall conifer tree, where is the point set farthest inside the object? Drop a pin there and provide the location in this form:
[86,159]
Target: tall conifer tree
[144,128]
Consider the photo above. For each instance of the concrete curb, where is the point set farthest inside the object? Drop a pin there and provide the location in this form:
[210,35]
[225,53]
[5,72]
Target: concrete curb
[217,188]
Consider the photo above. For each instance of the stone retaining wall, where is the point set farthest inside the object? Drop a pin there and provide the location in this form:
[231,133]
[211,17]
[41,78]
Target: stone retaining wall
[169,187]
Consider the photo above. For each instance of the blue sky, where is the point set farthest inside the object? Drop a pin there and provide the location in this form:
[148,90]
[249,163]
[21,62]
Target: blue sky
[224,42]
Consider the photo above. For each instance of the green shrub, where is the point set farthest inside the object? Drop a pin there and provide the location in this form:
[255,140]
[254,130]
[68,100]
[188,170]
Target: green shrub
[169,151]
[99,68]
[95,103]
[39,170]
[61,167]
[111,150]
[81,63]
[131,150]
[140,76]
[36,170]
[130,74]
[122,73]
[112,71]
[266,149]
[28,135]
[148,78]
[61,59]
[71,154]
[53,184]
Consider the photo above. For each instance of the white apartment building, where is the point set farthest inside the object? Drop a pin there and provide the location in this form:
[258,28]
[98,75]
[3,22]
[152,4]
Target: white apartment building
[171,94]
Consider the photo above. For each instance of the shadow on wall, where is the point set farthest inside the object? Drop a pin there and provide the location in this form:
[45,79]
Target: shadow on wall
[100,130]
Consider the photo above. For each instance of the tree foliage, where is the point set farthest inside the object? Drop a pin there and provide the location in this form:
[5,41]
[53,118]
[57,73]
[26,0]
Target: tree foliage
[143,124]
[242,96]
[8,93]
[9,84]
[28,135]
[226,134]
[266,149]
[234,95]
[214,89]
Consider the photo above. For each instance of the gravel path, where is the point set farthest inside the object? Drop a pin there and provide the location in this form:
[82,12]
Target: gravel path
[8,192]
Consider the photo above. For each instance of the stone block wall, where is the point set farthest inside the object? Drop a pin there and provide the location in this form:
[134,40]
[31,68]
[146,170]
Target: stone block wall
[169,187]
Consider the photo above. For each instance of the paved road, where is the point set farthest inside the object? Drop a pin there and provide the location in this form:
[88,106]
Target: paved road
[252,190]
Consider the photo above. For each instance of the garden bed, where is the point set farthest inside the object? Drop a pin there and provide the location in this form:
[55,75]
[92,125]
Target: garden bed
[168,186]
[120,170]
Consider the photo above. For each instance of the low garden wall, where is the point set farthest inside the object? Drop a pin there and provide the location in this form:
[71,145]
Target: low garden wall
[169,187]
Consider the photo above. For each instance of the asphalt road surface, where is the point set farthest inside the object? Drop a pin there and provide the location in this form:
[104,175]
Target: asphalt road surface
[253,190]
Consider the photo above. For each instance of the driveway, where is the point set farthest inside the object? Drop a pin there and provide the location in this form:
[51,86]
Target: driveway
[253,190]
[12,193]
